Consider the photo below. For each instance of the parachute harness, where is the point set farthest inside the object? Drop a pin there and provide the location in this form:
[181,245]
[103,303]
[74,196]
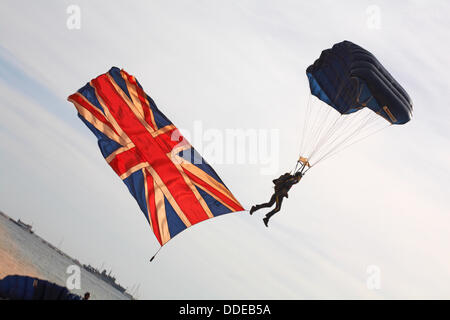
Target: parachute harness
[301,165]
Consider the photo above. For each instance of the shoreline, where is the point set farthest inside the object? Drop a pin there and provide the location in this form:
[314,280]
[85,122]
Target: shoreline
[10,260]
[22,253]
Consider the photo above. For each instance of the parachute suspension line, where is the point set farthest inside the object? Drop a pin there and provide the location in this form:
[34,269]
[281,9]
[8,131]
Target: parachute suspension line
[295,168]
[329,133]
[351,129]
[340,124]
[334,133]
[367,125]
[318,135]
[310,117]
[305,122]
[318,125]
[305,130]
[342,139]
[301,169]
[312,128]
[320,115]
[332,128]
[293,171]
[347,121]
[326,132]
[320,121]
[354,142]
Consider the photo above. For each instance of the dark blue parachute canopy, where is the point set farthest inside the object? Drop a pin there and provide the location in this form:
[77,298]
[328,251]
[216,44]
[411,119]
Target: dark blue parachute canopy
[349,78]
[18,287]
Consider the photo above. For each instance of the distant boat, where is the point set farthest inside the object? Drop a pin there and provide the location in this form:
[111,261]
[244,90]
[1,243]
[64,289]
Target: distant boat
[23,225]
[105,277]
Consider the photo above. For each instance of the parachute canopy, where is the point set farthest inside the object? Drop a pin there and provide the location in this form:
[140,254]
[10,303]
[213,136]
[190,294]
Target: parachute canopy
[356,94]
[18,287]
[348,78]
[173,185]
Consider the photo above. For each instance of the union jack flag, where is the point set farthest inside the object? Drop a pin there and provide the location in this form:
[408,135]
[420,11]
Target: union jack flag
[173,185]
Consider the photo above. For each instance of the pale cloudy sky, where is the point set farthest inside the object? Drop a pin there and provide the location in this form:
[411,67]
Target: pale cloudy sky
[234,65]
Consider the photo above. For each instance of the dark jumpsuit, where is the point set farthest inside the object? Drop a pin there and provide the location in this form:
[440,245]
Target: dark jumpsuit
[282,186]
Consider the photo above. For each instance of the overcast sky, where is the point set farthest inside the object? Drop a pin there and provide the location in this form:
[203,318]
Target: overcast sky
[230,65]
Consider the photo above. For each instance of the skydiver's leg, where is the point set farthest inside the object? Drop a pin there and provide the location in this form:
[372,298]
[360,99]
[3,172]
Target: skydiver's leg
[264,205]
[279,202]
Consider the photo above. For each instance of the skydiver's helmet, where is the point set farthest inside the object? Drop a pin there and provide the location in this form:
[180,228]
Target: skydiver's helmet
[298,175]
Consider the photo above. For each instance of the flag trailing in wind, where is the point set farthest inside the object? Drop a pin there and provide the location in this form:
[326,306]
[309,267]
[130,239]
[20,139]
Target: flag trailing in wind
[173,185]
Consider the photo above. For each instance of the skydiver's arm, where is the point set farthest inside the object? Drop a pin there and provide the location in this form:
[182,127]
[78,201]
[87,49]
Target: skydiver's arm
[282,179]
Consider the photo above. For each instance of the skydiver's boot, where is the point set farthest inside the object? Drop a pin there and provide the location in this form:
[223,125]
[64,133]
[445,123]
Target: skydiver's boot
[259,206]
[266,221]
[264,205]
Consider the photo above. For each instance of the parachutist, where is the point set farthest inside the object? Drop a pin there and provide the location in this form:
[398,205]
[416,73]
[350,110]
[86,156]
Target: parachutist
[282,186]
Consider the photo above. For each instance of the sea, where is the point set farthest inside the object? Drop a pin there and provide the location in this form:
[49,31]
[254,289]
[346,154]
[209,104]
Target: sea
[31,254]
